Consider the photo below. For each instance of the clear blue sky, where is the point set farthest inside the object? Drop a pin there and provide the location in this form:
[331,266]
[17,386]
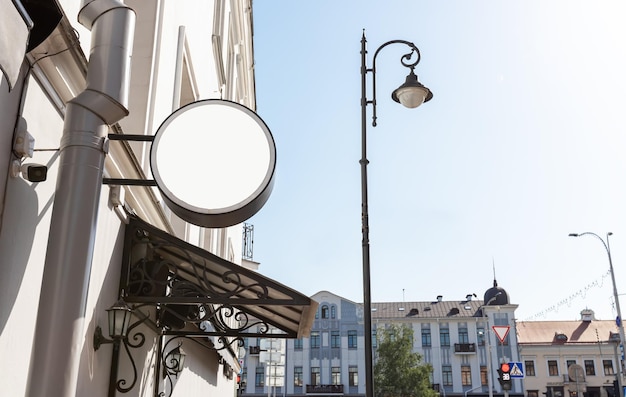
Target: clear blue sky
[523,143]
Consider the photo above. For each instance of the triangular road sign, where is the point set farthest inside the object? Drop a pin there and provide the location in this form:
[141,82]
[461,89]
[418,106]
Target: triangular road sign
[501,331]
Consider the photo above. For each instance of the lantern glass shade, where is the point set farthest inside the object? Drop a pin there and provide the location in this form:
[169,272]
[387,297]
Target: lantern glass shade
[119,319]
[178,359]
[412,93]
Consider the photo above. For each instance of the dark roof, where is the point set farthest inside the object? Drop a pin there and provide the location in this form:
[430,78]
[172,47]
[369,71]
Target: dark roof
[432,309]
[496,295]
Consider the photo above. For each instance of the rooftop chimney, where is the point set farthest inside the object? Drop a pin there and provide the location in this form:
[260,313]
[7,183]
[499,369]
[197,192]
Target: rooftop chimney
[587,315]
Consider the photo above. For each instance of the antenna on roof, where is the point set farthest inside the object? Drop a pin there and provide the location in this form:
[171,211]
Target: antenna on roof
[402,295]
[493,264]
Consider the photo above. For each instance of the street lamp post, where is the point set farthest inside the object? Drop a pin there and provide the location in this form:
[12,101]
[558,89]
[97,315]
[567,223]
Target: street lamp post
[410,94]
[620,323]
[488,336]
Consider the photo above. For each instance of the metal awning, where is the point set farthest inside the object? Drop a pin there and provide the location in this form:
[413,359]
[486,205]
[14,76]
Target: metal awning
[198,294]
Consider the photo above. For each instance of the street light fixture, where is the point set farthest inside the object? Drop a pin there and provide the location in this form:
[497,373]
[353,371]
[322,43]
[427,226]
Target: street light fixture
[620,323]
[410,94]
[488,336]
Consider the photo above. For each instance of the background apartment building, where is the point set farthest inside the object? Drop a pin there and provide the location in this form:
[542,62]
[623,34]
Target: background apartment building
[454,336]
[570,358]
[557,358]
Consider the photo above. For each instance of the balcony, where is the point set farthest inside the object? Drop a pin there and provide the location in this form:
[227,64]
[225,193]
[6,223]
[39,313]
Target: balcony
[464,348]
[324,389]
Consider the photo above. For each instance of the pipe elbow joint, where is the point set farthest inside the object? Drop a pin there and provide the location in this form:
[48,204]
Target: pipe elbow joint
[92,9]
[112,24]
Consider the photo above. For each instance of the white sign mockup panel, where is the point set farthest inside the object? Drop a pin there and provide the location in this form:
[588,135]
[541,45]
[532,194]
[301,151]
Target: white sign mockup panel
[214,161]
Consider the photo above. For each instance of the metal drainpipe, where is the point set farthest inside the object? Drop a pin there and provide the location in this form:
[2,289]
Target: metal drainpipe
[59,337]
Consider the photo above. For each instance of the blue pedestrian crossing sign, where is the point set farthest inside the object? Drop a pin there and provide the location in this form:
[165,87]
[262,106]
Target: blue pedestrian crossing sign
[517,370]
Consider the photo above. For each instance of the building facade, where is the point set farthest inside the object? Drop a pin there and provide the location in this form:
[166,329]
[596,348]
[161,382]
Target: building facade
[570,358]
[85,86]
[463,340]
[456,337]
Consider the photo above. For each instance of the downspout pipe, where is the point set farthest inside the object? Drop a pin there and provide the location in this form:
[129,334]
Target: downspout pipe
[60,337]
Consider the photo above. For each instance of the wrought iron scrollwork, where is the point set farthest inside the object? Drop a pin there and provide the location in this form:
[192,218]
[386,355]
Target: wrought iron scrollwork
[172,363]
[195,296]
[245,323]
[228,343]
[164,272]
[404,60]
[159,266]
[135,339]
[132,339]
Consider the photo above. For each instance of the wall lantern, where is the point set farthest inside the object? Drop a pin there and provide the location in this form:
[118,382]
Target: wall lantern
[119,316]
[119,319]
[120,326]
[174,361]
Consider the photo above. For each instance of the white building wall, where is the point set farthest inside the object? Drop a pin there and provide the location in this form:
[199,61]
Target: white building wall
[25,224]
[26,207]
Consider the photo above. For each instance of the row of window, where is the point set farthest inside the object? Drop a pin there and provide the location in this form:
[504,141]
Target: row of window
[335,340]
[553,370]
[335,376]
[446,371]
[444,337]
[553,367]
[353,376]
[316,376]
[466,375]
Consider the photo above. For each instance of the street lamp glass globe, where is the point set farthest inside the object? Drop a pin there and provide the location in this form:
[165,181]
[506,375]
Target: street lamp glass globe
[411,97]
[412,93]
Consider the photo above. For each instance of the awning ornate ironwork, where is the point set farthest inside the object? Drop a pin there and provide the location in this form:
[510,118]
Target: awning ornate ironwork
[198,294]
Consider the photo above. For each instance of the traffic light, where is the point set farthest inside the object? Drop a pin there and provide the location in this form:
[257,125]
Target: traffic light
[241,384]
[504,373]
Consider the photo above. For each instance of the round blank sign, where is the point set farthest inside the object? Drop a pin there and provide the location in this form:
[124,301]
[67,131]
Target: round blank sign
[214,162]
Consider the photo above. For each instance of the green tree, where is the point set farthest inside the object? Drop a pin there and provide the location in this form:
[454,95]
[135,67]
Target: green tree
[400,372]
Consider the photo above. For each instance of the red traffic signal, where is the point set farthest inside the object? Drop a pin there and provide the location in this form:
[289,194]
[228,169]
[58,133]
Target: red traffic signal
[505,376]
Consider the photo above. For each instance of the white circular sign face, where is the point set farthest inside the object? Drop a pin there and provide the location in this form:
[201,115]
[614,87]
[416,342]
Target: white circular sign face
[214,162]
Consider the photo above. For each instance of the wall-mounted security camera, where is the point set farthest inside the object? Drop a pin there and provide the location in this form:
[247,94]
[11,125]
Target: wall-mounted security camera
[30,172]
[34,172]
